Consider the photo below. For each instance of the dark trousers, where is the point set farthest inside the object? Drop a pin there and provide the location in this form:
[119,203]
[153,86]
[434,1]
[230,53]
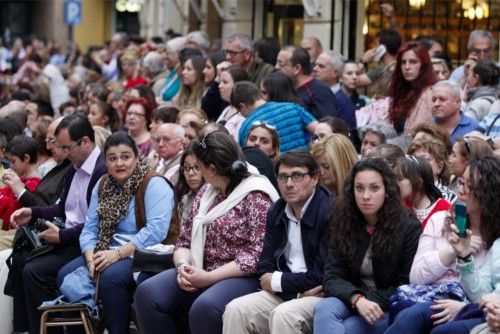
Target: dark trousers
[116,286]
[159,302]
[39,281]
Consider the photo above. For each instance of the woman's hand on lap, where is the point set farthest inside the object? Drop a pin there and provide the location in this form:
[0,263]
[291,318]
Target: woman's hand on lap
[447,310]
[369,310]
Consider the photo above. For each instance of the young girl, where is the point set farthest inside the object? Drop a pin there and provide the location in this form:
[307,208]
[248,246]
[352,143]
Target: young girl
[416,185]
[265,137]
[102,114]
[22,152]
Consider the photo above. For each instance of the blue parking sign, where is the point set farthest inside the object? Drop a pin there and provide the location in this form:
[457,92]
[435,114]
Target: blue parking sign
[72,12]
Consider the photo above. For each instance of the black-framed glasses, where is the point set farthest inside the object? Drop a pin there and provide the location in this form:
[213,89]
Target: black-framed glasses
[186,169]
[296,177]
[68,148]
[233,53]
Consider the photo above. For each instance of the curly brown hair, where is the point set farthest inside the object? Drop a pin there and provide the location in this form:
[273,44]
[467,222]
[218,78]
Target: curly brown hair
[348,223]
[485,187]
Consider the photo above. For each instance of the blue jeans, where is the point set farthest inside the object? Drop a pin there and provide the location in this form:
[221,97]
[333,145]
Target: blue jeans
[415,319]
[458,326]
[116,285]
[160,303]
[331,315]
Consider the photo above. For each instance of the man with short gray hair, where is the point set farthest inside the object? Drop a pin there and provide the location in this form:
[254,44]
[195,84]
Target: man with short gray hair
[238,49]
[446,110]
[480,45]
[168,138]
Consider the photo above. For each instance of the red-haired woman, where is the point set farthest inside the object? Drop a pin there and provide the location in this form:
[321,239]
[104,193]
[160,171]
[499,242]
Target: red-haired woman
[137,118]
[410,89]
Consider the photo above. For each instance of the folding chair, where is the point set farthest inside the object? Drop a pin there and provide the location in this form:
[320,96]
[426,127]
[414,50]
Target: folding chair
[49,319]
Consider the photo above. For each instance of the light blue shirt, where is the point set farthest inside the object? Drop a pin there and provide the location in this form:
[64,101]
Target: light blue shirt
[480,281]
[158,203]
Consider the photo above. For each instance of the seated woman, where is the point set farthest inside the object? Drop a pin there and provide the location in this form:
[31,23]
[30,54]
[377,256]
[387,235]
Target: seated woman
[372,248]
[481,186]
[115,226]
[264,136]
[463,152]
[137,119]
[190,181]
[220,243]
[328,125]
[374,134]
[335,156]
[435,263]
[434,151]
[417,188]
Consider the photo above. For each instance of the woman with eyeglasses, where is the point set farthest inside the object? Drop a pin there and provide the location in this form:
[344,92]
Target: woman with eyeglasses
[444,260]
[115,226]
[190,181]
[373,243]
[335,156]
[464,150]
[410,88]
[264,136]
[219,245]
[137,119]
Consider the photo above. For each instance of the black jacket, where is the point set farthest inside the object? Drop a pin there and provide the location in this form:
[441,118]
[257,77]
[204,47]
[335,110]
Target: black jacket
[315,238]
[342,279]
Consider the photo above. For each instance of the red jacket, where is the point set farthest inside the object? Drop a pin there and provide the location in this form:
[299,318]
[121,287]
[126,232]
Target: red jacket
[9,203]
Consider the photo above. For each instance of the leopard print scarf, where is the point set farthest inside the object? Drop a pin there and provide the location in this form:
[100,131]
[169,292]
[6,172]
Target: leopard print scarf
[113,202]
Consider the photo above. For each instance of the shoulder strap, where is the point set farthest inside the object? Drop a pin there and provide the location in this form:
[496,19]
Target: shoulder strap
[101,185]
[492,124]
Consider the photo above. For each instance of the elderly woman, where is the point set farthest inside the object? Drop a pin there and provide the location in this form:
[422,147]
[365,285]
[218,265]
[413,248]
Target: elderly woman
[116,225]
[375,134]
[137,119]
[220,243]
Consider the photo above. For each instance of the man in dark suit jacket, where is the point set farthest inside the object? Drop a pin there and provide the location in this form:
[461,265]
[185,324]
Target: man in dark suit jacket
[74,136]
[294,254]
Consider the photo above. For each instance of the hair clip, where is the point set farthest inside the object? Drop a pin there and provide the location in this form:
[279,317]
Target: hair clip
[202,143]
[412,158]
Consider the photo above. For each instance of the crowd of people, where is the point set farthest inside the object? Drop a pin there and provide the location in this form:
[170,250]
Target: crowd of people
[300,191]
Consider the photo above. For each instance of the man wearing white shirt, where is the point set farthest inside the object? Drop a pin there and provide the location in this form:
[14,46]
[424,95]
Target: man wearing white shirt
[292,261]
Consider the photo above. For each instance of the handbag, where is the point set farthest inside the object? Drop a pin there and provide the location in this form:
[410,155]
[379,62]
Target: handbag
[152,261]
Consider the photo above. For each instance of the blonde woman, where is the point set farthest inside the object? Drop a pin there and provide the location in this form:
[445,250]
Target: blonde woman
[335,155]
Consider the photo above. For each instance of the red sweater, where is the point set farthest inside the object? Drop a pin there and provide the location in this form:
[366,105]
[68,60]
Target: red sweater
[9,202]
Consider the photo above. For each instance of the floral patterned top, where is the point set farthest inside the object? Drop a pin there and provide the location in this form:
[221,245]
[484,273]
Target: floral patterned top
[236,236]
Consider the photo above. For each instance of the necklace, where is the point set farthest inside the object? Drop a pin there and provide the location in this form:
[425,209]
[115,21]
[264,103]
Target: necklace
[370,229]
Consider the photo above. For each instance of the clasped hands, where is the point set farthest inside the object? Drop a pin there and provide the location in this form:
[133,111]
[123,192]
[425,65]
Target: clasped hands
[191,278]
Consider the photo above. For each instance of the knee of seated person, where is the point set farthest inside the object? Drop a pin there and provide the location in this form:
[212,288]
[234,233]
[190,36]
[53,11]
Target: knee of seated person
[237,305]
[204,307]
[329,307]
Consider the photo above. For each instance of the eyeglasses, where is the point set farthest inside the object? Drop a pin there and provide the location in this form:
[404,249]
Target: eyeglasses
[264,125]
[68,148]
[186,169]
[282,63]
[296,177]
[165,139]
[233,53]
[49,140]
[479,51]
[135,113]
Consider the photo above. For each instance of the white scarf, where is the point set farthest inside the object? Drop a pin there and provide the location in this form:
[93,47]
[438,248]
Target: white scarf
[205,217]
